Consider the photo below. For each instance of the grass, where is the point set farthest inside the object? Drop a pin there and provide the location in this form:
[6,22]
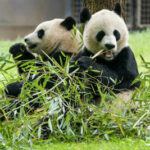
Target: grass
[4,54]
[139,42]
[100,128]
[122,144]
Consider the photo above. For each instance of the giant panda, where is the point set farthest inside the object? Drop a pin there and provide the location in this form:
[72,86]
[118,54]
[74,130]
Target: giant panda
[116,66]
[54,39]
[49,39]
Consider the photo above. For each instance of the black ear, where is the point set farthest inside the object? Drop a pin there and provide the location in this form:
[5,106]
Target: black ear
[68,23]
[85,15]
[117,9]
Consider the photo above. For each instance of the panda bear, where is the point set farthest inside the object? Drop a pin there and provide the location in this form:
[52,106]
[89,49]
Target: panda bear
[116,65]
[49,39]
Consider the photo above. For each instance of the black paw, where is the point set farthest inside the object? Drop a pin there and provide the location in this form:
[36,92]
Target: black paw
[20,52]
[84,62]
[17,49]
[13,89]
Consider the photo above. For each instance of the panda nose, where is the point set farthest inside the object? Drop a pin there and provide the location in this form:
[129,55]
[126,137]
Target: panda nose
[26,40]
[109,46]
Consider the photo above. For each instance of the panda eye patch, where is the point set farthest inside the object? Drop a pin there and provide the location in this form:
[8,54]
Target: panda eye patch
[100,35]
[117,34]
[41,33]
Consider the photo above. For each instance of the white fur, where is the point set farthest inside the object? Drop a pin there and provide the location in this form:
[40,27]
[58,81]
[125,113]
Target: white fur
[121,102]
[55,35]
[125,99]
[106,21]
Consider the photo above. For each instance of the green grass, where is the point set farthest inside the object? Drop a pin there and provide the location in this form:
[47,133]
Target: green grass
[139,42]
[120,144]
[98,128]
[115,144]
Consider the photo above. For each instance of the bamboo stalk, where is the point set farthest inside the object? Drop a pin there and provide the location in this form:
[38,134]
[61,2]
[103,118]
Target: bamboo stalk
[98,53]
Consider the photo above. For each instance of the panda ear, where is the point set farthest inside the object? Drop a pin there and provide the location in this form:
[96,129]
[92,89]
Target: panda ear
[117,9]
[85,15]
[68,23]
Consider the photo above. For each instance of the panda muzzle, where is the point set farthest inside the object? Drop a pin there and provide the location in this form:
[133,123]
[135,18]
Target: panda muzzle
[32,46]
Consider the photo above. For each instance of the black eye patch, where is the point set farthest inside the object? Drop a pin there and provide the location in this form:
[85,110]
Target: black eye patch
[41,33]
[100,35]
[117,34]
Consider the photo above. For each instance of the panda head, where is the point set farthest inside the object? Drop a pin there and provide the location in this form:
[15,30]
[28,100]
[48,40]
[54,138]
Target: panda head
[51,35]
[104,30]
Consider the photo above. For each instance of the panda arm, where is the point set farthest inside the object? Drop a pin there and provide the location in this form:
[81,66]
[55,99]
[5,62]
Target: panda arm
[81,54]
[103,73]
[20,54]
[127,70]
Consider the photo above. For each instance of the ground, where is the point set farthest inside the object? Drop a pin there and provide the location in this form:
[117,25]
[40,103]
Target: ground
[11,138]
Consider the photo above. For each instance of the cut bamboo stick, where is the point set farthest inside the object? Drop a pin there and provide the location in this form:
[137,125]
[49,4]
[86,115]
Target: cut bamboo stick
[98,53]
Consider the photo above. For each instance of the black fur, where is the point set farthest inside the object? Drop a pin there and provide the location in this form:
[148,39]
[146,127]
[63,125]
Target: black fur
[60,56]
[117,35]
[117,9]
[20,54]
[14,89]
[85,15]
[123,68]
[109,46]
[100,35]
[41,33]
[20,49]
[68,23]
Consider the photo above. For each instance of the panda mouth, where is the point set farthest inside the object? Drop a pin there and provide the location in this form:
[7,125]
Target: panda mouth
[109,54]
[32,46]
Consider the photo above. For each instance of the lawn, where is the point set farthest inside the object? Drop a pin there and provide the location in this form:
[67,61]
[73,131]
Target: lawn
[118,144]
[139,42]
[130,129]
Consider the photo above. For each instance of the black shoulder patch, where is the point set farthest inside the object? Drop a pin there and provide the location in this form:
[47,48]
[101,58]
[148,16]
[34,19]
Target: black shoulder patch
[117,9]
[68,23]
[85,15]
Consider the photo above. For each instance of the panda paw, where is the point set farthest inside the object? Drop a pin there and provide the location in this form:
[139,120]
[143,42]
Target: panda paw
[13,89]
[20,52]
[85,62]
[17,49]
